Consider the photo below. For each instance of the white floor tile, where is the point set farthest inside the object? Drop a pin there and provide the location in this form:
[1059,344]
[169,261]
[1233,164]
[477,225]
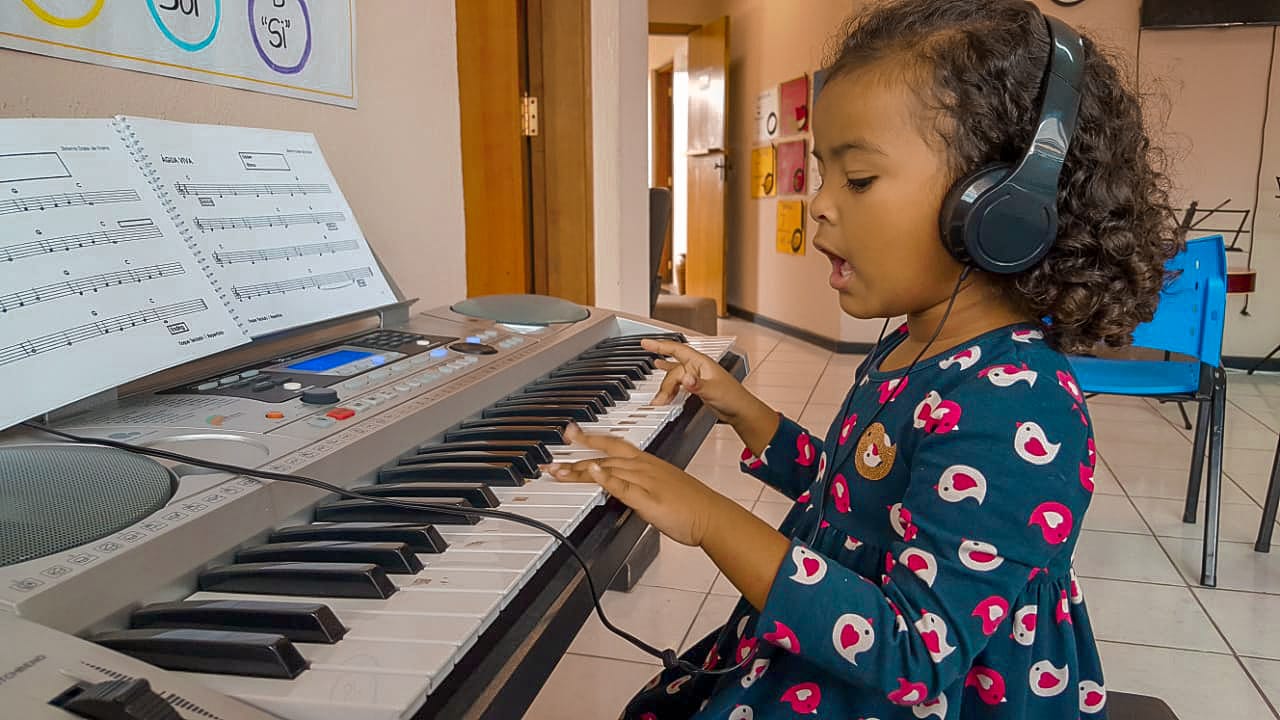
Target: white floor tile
[680,567]
[1119,556]
[1167,483]
[727,480]
[1174,455]
[1104,481]
[1254,485]
[1239,567]
[660,616]
[1267,673]
[714,612]
[1113,513]
[1197,686]
[1247,619]
[1237,523]
[1149,615]
[567,694]
[1248,462]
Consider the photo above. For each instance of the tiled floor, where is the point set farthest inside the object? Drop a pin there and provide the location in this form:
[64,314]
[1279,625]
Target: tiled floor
[1208,653]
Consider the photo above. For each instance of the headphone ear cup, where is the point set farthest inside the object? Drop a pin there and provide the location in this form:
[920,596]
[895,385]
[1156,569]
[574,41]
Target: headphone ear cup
[958,206]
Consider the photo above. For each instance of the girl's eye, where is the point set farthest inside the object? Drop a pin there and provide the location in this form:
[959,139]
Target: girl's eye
[859,185]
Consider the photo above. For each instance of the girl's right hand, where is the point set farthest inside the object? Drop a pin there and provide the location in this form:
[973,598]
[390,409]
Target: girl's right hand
[732,403]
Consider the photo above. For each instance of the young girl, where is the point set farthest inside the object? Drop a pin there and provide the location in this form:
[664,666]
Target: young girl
[926,568]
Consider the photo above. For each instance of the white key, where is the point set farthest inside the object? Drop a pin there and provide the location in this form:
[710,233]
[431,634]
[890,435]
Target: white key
[449,580]
[382,656]
[538,544]
[326,694]
[459,631]
[483,605]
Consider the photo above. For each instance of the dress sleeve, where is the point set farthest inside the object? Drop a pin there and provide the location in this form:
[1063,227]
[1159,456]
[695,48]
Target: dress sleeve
[790,462]
[996,492]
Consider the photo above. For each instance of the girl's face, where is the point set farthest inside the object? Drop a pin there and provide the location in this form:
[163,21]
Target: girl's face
[882,189]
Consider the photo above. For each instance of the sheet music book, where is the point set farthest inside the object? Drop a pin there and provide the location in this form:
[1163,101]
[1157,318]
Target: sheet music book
[129,245]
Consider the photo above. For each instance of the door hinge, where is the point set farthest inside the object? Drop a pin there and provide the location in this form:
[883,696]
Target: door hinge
[529,115]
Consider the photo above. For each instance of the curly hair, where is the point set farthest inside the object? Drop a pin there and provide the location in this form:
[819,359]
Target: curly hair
[978,66]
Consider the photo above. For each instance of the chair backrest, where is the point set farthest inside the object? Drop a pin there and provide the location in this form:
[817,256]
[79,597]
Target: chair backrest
[659,221]
[1192,311]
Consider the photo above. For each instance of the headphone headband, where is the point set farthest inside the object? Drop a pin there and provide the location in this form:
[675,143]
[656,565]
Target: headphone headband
[1002,218]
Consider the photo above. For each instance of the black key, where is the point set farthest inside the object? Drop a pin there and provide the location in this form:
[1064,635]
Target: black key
[607,372]
[541,433]
[394,558]
[535,451]
[622,354]
[353,580]
[560,423]
[370,511]
[616,390]
[520,460]
[634,340]
[209,651]
[476,494]
[597,397]
[643,367]
[641,359]
[419,538]
[576,412]
[503,474]
[298,621]
[619,378]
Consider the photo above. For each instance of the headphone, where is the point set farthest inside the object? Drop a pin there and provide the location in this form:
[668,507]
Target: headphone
[1001,218]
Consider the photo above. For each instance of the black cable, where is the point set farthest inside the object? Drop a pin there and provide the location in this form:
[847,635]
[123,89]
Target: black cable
[668,657]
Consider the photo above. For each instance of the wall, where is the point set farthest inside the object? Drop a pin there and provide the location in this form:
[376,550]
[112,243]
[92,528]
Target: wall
[619,98]
[396,157]
[1215,81]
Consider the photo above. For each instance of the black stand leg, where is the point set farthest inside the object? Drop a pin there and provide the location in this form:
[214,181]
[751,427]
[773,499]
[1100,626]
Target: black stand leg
[1258,365]
[1213,490]
[1263,543]
[1197,462]
[1186,421]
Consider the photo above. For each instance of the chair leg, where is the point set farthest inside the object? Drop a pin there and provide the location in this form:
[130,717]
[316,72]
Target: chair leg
[1197,462]
[1263,544]
[1213,489]
[1186,421]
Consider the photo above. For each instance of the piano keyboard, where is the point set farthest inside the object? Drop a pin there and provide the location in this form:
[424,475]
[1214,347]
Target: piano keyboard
[363,611]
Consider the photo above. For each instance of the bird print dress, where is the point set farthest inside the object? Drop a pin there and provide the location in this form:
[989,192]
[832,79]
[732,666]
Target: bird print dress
[930,569]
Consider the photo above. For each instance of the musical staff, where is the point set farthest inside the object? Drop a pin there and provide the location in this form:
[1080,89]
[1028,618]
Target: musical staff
[254,189]
[68,243]
[46,202]
[247,223]
[91,284]
[231,257]
[88,331]
[328,281]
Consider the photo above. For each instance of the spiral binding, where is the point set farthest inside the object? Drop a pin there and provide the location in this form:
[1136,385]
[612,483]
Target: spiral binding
[143,161]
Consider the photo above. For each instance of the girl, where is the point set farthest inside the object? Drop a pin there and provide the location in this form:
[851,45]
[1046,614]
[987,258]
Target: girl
[925,570]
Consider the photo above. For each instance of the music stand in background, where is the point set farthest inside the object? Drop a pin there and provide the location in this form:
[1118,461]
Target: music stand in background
[1238,281]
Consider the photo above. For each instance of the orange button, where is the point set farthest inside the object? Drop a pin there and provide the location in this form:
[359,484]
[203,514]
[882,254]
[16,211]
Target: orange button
[341,413]
[275,415]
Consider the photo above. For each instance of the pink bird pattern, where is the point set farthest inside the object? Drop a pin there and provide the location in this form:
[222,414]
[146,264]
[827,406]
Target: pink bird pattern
[918,589]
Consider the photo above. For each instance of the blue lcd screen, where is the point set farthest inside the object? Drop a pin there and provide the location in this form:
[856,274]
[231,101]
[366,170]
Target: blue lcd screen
[329,361]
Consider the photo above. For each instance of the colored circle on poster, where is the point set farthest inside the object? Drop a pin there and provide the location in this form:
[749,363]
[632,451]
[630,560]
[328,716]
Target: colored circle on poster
[797,181]
[277,27]
[187,45]
[797,240]
[65,22]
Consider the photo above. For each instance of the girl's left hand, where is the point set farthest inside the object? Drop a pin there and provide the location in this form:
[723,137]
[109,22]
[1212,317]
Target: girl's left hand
[673,501]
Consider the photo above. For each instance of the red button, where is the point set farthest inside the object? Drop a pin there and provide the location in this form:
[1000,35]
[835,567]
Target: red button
[275,415]
[341,413]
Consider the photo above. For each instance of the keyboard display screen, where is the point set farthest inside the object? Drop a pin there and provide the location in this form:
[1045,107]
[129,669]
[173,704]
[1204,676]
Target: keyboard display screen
[329,361]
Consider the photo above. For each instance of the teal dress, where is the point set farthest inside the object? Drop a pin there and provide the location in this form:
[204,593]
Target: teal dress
[930,568]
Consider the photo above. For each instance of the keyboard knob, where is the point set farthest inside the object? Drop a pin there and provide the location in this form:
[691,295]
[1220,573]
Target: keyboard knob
[320,396]
[473,348]
[121,700]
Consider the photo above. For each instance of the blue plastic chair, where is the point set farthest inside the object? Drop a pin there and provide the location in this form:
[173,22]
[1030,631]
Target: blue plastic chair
[1189,322]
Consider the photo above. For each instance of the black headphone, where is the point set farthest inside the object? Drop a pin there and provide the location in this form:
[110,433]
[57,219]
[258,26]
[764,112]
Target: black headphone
[1001,218]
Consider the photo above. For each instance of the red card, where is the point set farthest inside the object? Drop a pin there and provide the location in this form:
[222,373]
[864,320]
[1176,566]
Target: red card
[793,105]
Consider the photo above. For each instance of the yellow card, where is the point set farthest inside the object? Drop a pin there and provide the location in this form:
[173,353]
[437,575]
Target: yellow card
[791,227]
[763,172]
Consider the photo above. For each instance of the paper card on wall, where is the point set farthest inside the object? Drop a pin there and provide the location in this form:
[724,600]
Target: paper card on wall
[793,105]
[791,227]
[767,115]
[763,172]
[791,167]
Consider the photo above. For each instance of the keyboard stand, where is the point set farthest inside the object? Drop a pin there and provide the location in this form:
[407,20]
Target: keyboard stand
[645,552]
[501,675]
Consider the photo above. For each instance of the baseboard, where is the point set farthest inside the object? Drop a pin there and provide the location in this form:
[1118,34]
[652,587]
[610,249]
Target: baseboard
[1236,362]
[1241,362]
[841,347]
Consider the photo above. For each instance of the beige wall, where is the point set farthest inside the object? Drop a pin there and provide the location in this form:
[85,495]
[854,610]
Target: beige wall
[397,157]
[1215,81]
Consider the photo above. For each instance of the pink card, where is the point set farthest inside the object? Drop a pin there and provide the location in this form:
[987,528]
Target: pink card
[793,105]
[791,168]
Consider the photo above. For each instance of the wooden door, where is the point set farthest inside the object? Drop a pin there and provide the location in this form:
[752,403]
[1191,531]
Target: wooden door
[708,161]
[663,104]
[495,157]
